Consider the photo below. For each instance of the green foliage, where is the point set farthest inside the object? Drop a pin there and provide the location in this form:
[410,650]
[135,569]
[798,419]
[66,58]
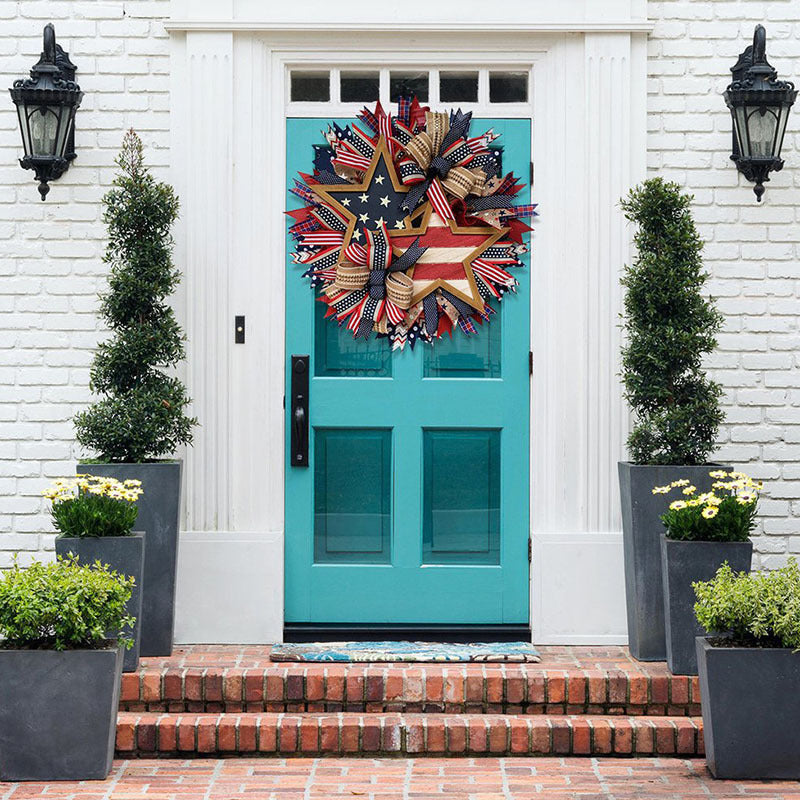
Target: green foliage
[141,414]
[758,609]
[669,327]
[94,505]
[725,514]
[63,605]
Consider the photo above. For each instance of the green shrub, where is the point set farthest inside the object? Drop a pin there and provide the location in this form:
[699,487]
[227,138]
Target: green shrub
[725,514]
[669,327]
[94,505]
[141,413]
[63,605]
[758,609]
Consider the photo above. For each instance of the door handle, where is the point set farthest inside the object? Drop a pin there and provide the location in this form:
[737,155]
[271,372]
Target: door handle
[298,448]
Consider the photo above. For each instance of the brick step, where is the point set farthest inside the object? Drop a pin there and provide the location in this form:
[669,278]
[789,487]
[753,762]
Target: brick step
[428,688]
[199,735]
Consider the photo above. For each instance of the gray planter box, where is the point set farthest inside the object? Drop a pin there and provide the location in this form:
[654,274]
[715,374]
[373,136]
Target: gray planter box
[751,709]
[124,554]
[681,564]
[641,529]
[159,513]
[58,713]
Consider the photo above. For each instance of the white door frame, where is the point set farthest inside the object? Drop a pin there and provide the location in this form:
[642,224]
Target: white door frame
[588,109]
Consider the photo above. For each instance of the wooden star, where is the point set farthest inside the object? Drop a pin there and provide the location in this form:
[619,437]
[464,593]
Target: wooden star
[346,196]
[447,263]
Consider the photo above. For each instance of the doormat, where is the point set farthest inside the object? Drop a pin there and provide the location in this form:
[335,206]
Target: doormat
[367,652]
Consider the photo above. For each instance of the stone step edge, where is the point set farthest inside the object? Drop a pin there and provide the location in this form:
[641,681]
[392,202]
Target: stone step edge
[188,735]
[299,687]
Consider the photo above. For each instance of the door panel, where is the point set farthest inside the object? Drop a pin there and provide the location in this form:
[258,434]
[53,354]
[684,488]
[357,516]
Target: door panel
[414,509]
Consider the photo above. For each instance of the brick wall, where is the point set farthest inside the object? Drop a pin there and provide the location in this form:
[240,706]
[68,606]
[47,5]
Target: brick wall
[752,250]
[50,253]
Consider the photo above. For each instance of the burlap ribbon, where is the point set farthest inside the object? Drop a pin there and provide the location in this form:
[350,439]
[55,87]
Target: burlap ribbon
[441,151]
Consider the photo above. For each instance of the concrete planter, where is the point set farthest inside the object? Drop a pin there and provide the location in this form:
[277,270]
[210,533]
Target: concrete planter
[751,706]
[58,713]
[681,564]
[159,513]
[641,529]
[125,554]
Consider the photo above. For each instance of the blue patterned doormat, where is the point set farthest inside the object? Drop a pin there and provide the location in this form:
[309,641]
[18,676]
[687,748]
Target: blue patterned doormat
[366,652]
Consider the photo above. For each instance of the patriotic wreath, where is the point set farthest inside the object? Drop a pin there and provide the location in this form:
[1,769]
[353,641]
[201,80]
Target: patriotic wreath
[409,226]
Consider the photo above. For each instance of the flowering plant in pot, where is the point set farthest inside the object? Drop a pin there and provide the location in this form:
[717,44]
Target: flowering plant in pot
[94,516]
[60,672]
[703,530]
[140,419]
[749,671]
[669,327]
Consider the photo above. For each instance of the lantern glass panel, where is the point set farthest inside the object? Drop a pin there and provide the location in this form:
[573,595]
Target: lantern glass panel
[740,125]
[762,122]
[44,123]
[22,113]
[67,115]
[783,116]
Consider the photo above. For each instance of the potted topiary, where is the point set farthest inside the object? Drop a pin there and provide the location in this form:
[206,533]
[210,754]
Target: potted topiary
[140,419]
[750,672]
[59,674]
[703,530]
[669,327]
[94,517]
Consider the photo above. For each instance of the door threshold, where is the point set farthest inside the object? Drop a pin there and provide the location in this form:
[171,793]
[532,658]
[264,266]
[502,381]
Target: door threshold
[366,632]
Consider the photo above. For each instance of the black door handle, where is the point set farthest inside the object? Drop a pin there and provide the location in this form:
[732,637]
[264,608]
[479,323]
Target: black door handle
[299,412]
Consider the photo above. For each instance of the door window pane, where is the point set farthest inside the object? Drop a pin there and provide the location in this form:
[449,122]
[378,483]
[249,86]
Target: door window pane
[462,356]
[408,83]
[508,87]
[461,491]
[359,87]
[458,87]
[338,355]
[311,86]
[352,495]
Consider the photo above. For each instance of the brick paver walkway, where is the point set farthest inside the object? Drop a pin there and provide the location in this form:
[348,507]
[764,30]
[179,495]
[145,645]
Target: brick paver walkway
[458,779]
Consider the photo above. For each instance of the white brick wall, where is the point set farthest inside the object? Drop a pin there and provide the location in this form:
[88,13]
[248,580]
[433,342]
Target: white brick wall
[51,265]
[50,253]
[752,250]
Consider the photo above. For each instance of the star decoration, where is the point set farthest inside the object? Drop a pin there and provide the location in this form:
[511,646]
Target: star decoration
[447,263]
[385,203]
[380,221]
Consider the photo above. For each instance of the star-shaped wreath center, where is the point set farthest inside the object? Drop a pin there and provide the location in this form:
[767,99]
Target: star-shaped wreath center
[376,199]
[447,262]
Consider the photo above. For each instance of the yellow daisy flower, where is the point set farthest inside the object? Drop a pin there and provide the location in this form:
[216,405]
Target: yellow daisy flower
[709,512]
[677,505]
[690,490]
[661,489]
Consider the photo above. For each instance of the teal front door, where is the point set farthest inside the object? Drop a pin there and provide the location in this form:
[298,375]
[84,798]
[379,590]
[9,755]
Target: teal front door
[413,509]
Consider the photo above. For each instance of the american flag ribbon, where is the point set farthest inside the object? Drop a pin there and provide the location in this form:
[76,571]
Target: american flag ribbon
[323,238]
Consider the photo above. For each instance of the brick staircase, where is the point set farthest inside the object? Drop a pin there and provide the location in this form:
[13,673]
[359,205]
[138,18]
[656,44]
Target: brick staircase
[206,701]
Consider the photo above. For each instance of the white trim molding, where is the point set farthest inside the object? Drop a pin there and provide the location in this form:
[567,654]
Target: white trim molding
[588,103]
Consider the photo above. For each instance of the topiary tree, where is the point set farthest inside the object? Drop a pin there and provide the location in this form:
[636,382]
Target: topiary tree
[669,326]
[140,415]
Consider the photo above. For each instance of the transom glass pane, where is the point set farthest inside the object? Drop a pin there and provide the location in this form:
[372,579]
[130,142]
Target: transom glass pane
[359,87]
[311,86]
[508,87]
[458,87]
[461,489]
[352,495]
[338,355]
[408,83]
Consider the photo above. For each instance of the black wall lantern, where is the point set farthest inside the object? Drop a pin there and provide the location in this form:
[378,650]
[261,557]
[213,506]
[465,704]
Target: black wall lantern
[46,104]
[759,105]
